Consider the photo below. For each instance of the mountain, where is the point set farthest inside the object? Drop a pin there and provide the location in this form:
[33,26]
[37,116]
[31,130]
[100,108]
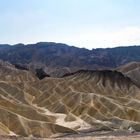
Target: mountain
[61,55]
[93,100]
[51,89]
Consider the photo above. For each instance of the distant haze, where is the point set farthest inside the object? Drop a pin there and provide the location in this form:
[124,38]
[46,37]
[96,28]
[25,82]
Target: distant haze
[82,23]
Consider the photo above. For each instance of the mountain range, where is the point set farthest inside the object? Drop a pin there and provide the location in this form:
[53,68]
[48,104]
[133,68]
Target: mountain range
[49,89]
[61,55]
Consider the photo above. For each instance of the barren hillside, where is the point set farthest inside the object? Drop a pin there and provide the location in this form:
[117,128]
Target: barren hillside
[84,100]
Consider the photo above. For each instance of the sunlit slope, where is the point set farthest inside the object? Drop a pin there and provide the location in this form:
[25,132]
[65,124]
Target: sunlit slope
[17,115]
[132,70]
[9,73]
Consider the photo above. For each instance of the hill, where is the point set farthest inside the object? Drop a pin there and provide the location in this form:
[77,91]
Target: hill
[77,102]
[132,70]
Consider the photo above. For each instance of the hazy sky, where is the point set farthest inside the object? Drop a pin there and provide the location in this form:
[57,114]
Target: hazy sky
[82,23]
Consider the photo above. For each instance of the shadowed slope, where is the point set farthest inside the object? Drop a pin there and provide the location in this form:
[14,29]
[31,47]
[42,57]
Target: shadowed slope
[61,55]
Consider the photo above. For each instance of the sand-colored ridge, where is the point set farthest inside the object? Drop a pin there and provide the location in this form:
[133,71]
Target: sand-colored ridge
[97,100]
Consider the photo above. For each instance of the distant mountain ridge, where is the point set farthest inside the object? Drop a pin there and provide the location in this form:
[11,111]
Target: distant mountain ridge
[61,55]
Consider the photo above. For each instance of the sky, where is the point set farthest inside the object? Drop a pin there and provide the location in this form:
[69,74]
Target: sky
[81,23]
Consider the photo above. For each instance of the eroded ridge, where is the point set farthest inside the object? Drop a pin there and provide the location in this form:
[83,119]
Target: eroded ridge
[97,100]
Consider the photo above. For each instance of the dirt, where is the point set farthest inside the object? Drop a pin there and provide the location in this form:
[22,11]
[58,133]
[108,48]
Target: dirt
[122,135]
